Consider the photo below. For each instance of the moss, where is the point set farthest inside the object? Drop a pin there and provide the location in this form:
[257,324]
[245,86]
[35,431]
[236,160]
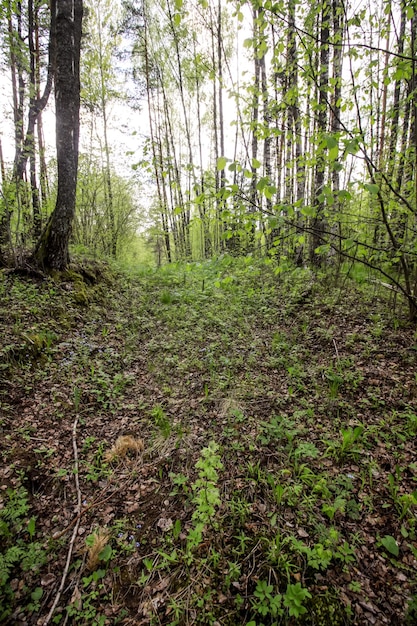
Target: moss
[81,295]
[326,610]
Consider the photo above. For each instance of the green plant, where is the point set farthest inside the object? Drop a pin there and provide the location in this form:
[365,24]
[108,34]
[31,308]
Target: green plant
[180,483]
[97,468]
[294,598]
[403,502]
[348,446]
[18,552]
[206,495]
[161,421]
[239,508]
[233,573]
[390,544]
[318,557]
[335,381]
[278,428]
[85,606]
[355,586]
[306,449]
[338,506]
[266,602]
[345,553]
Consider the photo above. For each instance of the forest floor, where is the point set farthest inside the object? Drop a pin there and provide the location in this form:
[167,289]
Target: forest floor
[209,444]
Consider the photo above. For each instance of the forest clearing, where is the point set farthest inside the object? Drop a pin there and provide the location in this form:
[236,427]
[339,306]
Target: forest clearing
[208,443]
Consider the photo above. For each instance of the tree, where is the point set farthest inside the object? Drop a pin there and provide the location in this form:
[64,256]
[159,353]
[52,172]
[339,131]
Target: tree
[100,88]
[52,250]
[26,30]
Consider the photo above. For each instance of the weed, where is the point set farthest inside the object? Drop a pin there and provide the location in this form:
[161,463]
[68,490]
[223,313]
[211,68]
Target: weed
[161,421]
[306,449]
[266,603]
[180,483]
[294,598]
[83,609]
[278,429]
[348,446]
[19,552]
[206,495]
[97,468]
[239,508]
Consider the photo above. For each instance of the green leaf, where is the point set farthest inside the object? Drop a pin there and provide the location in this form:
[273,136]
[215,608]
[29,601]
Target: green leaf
[331,142]
[37,594]
[352,146]
[262,183]
[344,195]
[177,19]
[221,163]
[105,554]
[334,153]
[308,211]
[270,191]
[31,526]
[390,544]
[372,188]
[256,163]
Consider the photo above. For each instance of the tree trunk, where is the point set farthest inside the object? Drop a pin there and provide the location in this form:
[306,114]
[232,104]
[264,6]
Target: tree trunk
[318,223]
[52,250]
[107,174]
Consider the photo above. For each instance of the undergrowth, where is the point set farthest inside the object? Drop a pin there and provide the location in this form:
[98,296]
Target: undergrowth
[245,439]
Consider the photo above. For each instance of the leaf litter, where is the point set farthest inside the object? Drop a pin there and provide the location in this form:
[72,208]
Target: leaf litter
[311,398]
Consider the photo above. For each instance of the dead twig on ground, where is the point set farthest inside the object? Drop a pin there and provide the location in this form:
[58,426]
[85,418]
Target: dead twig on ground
[75,531]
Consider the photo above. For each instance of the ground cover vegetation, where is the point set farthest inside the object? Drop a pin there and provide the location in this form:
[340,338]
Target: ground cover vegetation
[214,443]
[209,416]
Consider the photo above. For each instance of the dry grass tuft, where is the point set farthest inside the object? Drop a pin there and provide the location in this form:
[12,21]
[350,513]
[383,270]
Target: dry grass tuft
[99,541]
[122,446]
[229,405]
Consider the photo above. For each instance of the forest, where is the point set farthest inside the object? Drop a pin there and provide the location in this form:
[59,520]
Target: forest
[208,307]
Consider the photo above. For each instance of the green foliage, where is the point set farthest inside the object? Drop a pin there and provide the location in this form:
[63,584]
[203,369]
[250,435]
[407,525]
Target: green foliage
[294,597]
[266,603]
[18,553]
[206,495]
[217,364]
[349,445]
[390,544]
[161,421]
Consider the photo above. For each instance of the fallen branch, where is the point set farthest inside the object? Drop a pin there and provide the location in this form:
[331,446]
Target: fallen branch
[77,524]
[387,285]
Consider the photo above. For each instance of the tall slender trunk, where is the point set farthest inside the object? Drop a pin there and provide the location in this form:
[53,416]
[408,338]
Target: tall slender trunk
[107,171]
[253,194]
[156,160]
[31,147]
[202,204]
[186,216]
[318,222]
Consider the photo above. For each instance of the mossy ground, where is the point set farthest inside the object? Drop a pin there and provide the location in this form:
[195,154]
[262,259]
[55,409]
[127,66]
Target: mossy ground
[307,385]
